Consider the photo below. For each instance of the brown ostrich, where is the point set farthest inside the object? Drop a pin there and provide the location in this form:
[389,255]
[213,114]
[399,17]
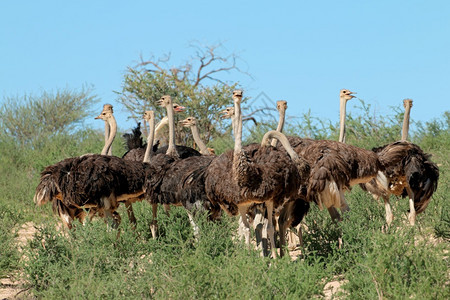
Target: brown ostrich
[253,174]
[292,212]
[48,189]
[136,150]
[97,182]
[155,189]
[410,173]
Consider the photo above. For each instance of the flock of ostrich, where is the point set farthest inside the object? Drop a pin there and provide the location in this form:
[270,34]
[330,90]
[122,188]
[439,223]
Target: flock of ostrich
[269,185]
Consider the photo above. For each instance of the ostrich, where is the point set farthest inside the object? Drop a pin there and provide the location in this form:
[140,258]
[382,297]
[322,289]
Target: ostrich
[192,123]
[136,150]
[292,212]
[92,181]
[48,189]
[254,174]
[165,185]
[409,171]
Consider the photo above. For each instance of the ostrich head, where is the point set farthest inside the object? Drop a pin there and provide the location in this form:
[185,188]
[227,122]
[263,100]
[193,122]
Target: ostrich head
[106,114]
[281,105]
[407,103]
[237,96]
[227,113]
[164,101]
[178,108]
[346,95]
[189,121]
[149,115]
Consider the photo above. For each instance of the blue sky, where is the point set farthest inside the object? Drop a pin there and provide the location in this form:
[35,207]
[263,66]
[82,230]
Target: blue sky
[300,51]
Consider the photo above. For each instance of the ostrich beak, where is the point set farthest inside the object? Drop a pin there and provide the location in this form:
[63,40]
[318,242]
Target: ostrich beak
[160,102]
[185,123]
[224,114]
[179,108]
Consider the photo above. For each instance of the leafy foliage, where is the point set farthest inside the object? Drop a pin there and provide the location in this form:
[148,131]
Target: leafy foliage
[30,118]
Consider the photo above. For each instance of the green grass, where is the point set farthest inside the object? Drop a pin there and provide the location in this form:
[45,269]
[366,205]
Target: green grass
[92,262]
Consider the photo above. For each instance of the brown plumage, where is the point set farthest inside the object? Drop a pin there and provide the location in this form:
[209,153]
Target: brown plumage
[96,182]
[335,167]
[137,154]
[254,174]
[338,166]
[410,173]
[176,177]
[48,188]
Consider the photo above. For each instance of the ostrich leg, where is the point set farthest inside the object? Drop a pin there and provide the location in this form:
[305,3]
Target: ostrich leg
[412,210]
[387,206]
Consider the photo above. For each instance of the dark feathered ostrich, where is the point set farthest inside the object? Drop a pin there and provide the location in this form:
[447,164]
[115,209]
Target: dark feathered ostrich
[93,181]
[136,150]
[48,189]
[254,174]
[409,171]
[165,184]
[290,214]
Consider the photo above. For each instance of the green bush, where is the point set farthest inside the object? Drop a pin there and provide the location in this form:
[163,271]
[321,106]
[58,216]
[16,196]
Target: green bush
[9,221]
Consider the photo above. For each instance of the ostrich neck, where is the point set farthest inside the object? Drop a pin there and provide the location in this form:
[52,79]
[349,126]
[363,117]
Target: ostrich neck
[238,128]
[164,121]
[342,121]
[280,126]
[278,136]
[107,132]
[405,128]
[237,155]
[150,138]
[301,164]
[113,130]
[198,141]
[171,148]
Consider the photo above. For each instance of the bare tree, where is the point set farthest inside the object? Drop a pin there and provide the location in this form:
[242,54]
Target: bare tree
[198,84]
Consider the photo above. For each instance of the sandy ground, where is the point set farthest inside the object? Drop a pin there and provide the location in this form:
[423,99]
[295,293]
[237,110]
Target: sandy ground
[12,287]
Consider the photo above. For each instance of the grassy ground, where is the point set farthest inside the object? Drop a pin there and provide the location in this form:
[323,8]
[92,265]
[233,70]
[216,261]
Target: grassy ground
[92,262]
